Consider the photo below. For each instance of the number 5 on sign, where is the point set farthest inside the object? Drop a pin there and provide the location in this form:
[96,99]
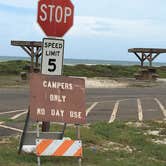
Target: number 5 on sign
[52,56]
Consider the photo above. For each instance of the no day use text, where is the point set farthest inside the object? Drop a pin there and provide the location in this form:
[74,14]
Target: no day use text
[59,113]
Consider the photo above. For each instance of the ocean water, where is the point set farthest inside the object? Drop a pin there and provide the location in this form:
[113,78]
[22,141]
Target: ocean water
[88,61]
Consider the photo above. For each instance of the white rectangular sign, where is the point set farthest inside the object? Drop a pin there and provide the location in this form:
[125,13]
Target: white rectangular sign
[52,56]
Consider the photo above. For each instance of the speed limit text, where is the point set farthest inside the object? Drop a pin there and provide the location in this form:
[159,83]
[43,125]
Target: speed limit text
[53,45]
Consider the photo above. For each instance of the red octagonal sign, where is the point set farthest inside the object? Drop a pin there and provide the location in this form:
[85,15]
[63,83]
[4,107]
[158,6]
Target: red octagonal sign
[55,17]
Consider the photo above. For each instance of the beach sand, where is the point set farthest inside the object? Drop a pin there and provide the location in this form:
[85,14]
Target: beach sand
[95,82]
[121,83]
[104,83]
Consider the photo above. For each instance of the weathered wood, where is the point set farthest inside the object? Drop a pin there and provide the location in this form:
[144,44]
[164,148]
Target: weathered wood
[147,50]
[138,56]
[32,48]
[32,59]
[37,61]
[155,56]
[26,43]
[38,51]
[29,48]
[141,58]
[26,50]
[146,56]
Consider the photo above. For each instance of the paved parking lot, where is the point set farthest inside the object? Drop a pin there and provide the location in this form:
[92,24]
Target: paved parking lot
[140,109]
[108,105]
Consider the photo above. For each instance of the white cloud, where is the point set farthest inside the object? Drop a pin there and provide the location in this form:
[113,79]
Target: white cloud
[121,28]
[20,3]
[92,26]
[14,26]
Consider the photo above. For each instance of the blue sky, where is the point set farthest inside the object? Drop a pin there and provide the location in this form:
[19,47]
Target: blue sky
[102,29]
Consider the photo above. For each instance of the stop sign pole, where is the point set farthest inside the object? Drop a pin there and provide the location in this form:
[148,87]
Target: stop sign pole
[55,17]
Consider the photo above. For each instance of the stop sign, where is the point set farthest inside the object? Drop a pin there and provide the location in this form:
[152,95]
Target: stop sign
[55,17]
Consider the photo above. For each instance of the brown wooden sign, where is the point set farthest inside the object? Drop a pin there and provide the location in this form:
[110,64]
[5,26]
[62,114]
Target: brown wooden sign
[57,98]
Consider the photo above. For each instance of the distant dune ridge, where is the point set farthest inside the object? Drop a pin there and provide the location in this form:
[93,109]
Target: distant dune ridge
[87,61]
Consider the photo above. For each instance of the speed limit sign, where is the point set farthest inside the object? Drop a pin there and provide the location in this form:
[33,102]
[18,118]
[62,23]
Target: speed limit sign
[52,56]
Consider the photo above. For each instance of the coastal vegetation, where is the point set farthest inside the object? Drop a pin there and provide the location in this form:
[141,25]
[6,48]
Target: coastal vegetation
[117,144]
[16,66]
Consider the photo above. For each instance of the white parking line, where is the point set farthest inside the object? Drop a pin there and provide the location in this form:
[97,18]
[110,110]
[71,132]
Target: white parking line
[18,115]
[90,108]
[140,112]
[110,101]
[161,106]
[9,112]
[10,128]
[114,112]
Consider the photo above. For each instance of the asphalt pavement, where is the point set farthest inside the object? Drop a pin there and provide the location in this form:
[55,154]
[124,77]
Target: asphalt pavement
[127,104]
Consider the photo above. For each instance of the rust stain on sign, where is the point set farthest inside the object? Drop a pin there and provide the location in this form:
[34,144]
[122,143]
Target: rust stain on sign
[57,98]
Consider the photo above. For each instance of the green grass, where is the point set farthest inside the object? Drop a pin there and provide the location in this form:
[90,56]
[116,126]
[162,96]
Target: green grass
[17,66]
[162,71]
[98,148]
[101,70]
[12,67]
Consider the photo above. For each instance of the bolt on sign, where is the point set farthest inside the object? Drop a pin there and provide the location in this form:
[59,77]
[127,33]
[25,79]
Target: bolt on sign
[57,98]
[52,56]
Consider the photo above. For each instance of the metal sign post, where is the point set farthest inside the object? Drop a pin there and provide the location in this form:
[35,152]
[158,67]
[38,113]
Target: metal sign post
[38,134]
[78,135]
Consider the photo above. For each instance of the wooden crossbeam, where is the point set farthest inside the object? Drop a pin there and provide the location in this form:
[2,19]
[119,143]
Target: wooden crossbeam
[147,50]
[26,43]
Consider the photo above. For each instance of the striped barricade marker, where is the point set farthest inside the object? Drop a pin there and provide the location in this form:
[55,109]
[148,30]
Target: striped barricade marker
[48,147]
